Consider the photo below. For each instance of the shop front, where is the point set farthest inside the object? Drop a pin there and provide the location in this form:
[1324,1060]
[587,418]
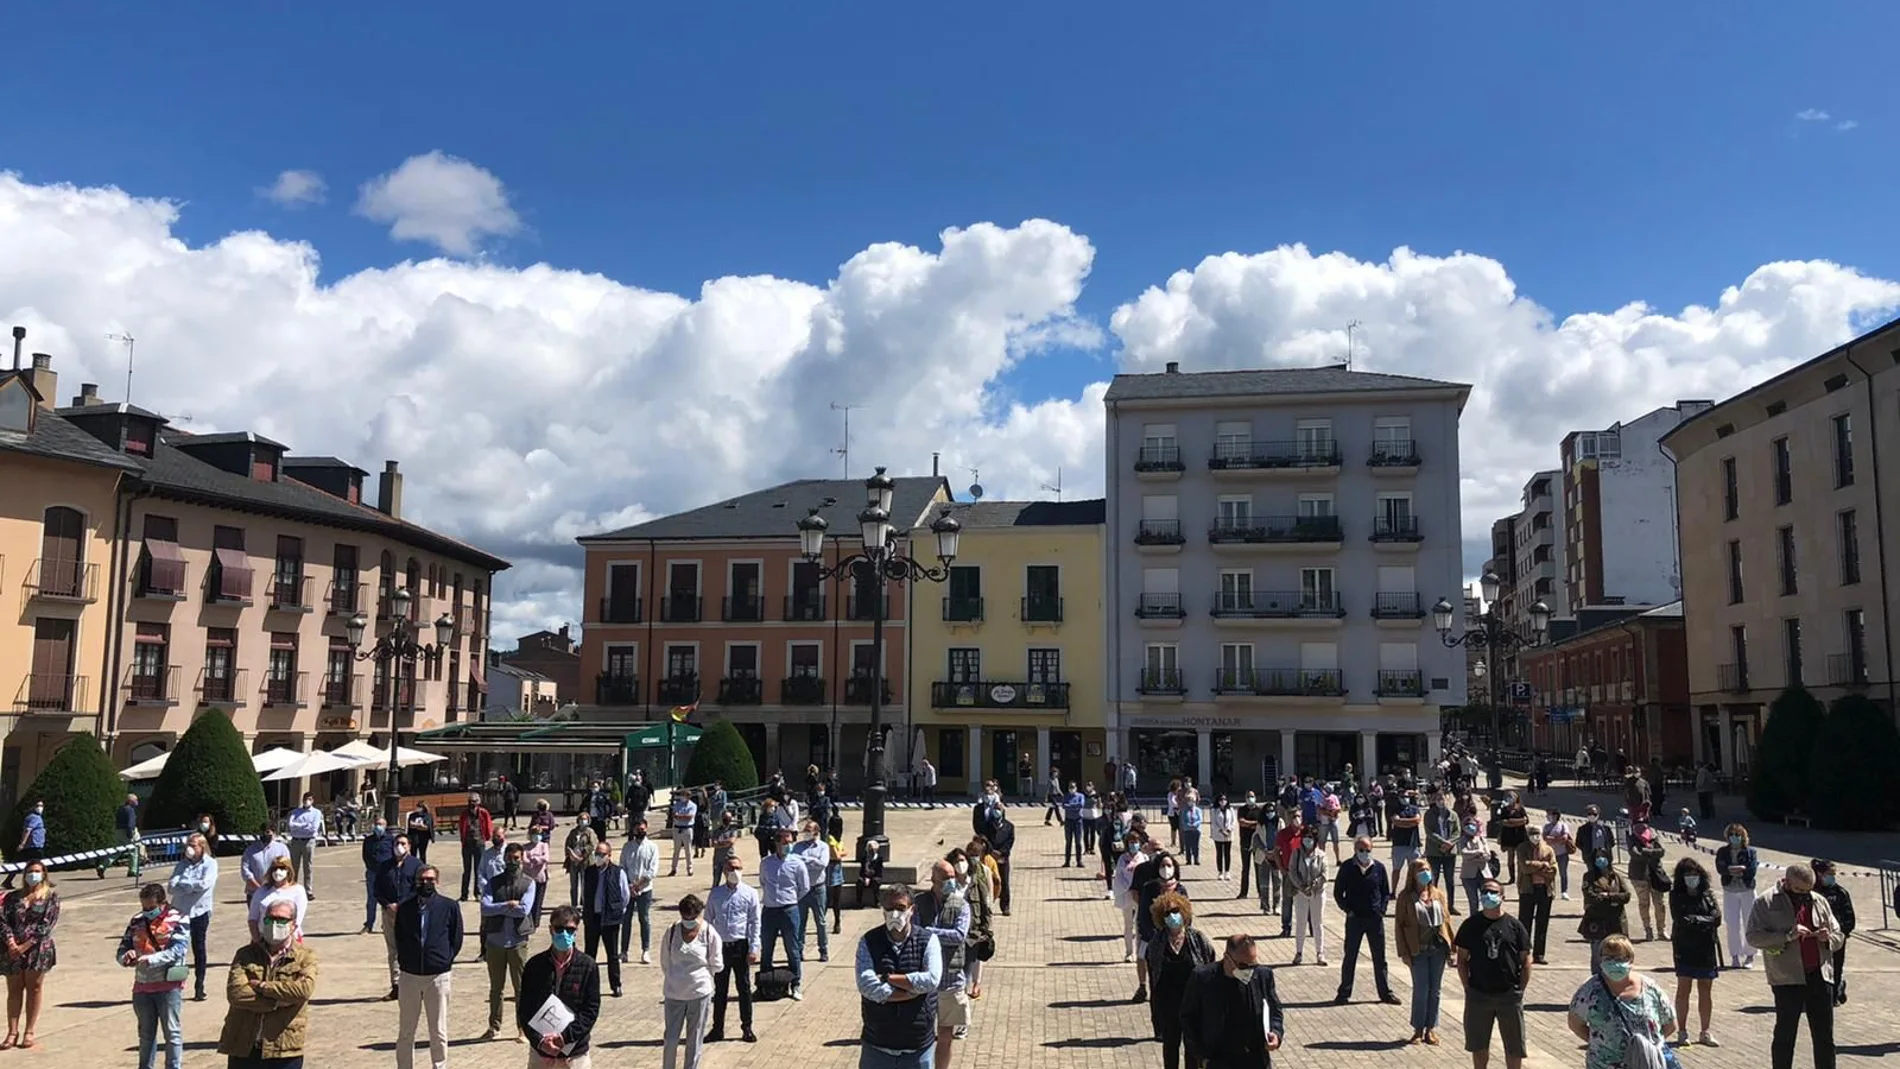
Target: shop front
[1234,754]
[965,754]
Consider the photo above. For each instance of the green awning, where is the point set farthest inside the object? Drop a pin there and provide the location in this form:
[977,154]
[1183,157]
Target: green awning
[654,736]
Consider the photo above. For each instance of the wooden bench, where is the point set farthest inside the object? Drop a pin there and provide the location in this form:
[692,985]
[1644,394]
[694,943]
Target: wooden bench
[1791,819]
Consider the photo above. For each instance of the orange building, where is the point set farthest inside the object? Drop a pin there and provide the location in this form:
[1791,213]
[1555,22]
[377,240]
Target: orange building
[716,606]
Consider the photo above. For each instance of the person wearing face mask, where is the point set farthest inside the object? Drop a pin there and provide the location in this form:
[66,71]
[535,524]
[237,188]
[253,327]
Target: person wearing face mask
[1306,877]
[899,967]
[421,824]
[1562,844]
[475,827]
[640,857]
[534,862]
[605,896]
[378,847]
[1842,903]
[1494,967]
[280,886]
[258,858]
[428,931]
[1735,864]
[1441,845]
[1649,878]
[1262,860]
[1159,875]
[1221,822]
[725,836]
[494,856]
[28,917]
[154,947]
[980,945]
[1172,956]
[569,978]
[1621,1016]
[126,822]
[735,913]
[542,820]
[32,844]
[507,906]
[1695,943]
[1797,933]
[1606,899]
[272,980]
[395,884]
[1421,932]
[1230,1013]
[690,956]
[1361,889]
[784,883]
[1595,836]
[944,913]
[1474,861]
[1403,830]
[306,827]
[1536,887]
[193,887]
[815,852]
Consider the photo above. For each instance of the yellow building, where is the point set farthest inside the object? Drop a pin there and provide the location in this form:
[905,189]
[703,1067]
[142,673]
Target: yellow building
[59,503]
[1006,657]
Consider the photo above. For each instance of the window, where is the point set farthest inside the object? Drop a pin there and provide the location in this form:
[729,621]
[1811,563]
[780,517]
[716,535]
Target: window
[1784,473]
[1315,506]
[1314,438]
[808,593]
[1843,451]
[682,662]
[1392,439]
[805,657]
[623,662]
[148,680]
[964,600]
[1316,589]
[63,553]
[1784,559]
[343,580]
[622,603]
[1734,572]
[287,580]
[161,562]
[1236,591]
[1731,492]
[1235,511]
[1738,648]
[1233,441]
[1159,447]
[1854,623]
[1791,649]
[1161,668]
[745,591]
[230,578]
[1042,588]
[742,660]
[682,592]
[1849,530]
[1394,518]
[219,682]
[966,665]
[950,744]
[280,688]
[1045,667]
[337,671]
[1236,666]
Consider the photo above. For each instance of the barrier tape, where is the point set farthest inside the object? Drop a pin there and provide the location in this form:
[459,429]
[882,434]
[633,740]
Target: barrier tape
[117,853]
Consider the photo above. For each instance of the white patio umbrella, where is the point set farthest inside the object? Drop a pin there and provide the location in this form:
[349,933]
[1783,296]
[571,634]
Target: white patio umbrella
[146,769]
[314,764]
[274,758]
[374,757]
[362,750]
[407,758]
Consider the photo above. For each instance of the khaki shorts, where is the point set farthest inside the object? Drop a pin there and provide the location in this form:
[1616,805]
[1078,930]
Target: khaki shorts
[1506,1010]
[953,1009]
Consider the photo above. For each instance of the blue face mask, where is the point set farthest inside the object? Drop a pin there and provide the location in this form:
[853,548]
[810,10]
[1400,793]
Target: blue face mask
[1425,879]
[1603,863]
[1490,900]
[1735,840]
[563,941]
[1362,856]
[1618,971]
[1692,881]
[1174,920]
[1828,880]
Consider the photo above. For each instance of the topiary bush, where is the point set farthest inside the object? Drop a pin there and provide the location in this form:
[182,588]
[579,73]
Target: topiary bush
[1855,764]
[82,793]
[721,754]
[209,772]
[1778,784]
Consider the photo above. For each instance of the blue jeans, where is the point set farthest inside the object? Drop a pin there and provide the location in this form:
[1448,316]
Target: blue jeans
[1428,975]
[153,1010]
[1471,895]
[1402,859]
[872,1058]
[369,901]
[1072,840]
[780,923]
[1191,846]
[811,907]
[641,906]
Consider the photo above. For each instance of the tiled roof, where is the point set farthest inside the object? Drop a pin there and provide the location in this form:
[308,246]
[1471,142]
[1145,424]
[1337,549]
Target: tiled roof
[1265,382]
[993,514]
[775,512]
[56,439]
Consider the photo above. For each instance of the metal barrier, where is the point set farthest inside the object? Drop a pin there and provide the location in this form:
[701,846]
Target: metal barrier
[157,848]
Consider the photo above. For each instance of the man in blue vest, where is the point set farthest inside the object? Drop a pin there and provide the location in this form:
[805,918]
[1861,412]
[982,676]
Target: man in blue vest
[900,966]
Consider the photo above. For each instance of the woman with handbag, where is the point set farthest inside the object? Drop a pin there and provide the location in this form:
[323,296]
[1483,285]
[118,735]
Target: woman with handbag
[1696,944]
[1177,949]
[1421,928]
[1622,1017]
[981,894]
[1606,899]
[27,919]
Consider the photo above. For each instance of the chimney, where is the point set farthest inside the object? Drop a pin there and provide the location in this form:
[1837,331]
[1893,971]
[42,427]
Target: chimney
[934,457]
[1174,367]
[389,491]
[88,395]
[19,339]
[45,380]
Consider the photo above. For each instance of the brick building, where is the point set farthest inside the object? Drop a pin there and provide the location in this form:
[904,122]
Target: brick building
[1620,681]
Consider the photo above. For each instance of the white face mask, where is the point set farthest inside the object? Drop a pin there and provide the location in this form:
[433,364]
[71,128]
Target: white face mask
[732,878]
[963,868]
[279,876]
[896,920]
[276,932]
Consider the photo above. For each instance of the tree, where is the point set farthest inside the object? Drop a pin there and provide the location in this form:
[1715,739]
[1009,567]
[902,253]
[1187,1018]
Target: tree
[82,792]
[209,772]
[1778,784]
[1856,762]
[722,754]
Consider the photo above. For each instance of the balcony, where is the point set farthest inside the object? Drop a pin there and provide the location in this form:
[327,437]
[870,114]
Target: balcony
[680,608]
[678,690]
[1398,608]
[224,688]
[806,605]
[1155,463]
[290,593]
[1396,532]
[802,690]
[1271,607]
[51,694]
[741,690]
[867,606]
[857,691]
[1403,683]
[1041,609]
[228,581]
[963,610]
[616,690]
[160,573]
[62,580]
[1159,536]
[1160,610]
[1161,683]
[344,693]
[345,598]
[402,694]
[1847,669]
[619,610]
[1323,684]
[1395,457]
[1311,458]
[152,686]
[287,691]
[1732,678]
[742,608]
[990,694]
[1276,533]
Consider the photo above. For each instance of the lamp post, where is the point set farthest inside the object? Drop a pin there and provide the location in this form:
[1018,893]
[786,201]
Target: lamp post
[1494,636]
[872,568]
[398,647]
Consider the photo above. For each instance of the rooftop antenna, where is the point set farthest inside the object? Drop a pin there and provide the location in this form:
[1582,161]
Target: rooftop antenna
[128,341]
[976,485]
[1351,329]
[1057,488]
[844,451]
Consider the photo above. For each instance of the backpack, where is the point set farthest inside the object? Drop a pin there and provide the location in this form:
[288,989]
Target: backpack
[772,985]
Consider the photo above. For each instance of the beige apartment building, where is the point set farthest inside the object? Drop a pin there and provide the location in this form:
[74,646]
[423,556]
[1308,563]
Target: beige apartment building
[1786,504]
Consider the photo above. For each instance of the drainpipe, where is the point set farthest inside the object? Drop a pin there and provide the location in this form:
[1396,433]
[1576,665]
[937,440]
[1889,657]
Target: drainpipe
[1112,564]
[115,614]
[838,678]
[653,576]
[1675,527]
[1880,529]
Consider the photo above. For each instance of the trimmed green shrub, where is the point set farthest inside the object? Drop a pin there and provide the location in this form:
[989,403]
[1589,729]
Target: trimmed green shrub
[1855,764]
[721,754]
[1778,784]
[82,793]
[209,772]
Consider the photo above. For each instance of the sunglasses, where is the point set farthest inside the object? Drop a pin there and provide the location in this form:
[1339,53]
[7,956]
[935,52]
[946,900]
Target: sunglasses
[429,882]
[569,931]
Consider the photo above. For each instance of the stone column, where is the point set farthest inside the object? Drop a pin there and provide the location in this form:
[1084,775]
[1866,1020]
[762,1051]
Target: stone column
[1287,753]
[772,750]
[1042,753]
[975,763]
[1368,755]
[1728,740]
[1204,760]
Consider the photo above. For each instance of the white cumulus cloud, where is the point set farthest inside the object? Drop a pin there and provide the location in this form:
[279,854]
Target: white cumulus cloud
[440,199]
[1812,115]
[295,189]
[532,405]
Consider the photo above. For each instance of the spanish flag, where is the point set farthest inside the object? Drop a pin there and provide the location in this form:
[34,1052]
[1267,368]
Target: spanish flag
[683,714]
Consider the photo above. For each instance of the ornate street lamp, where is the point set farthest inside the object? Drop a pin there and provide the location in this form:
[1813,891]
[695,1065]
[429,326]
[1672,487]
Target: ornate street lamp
[1490,633]
[872,568]
[394,650]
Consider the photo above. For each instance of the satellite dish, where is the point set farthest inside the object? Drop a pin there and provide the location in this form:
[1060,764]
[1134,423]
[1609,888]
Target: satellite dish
[976,491]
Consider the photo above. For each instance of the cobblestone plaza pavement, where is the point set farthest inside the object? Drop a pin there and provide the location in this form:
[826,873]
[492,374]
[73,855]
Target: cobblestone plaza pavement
[1056,994]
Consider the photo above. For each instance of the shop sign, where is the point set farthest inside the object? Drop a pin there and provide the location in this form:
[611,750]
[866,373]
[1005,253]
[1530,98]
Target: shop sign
[1182,721]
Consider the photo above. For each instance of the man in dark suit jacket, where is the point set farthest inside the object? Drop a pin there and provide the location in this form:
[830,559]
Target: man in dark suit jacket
[428,940]
[1209,1023]
[562,972]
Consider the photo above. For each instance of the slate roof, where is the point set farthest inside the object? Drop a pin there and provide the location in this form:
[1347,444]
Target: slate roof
[225,438]
[54,438]
[775,512]
[322,462]
[108,408]
[1265,382]
[518,672]
[1671,611]
[995,514]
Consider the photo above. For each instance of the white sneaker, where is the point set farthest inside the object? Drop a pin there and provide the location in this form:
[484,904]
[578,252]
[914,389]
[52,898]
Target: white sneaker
[644,960]
[1566,896]
[798,993]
